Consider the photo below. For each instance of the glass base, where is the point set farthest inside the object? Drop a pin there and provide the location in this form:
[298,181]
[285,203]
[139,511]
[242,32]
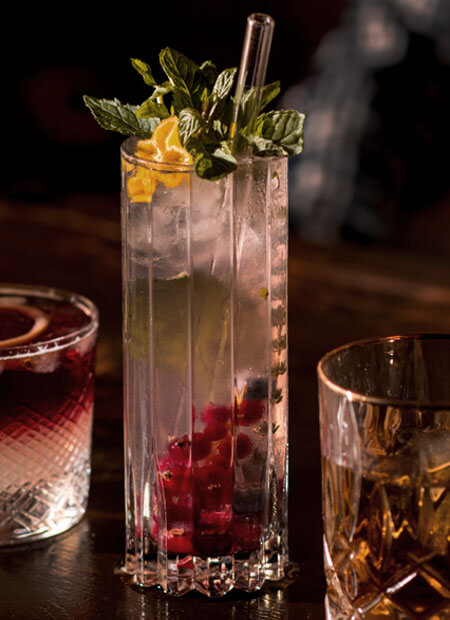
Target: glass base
[212,576]
[20,536]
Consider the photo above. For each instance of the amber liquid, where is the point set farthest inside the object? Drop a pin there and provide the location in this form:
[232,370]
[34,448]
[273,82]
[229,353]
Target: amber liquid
[387,536]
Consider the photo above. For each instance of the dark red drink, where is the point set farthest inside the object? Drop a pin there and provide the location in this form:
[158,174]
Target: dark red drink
[47,354]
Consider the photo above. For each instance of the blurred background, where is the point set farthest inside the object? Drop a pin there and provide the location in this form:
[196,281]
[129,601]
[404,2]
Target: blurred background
[373,77]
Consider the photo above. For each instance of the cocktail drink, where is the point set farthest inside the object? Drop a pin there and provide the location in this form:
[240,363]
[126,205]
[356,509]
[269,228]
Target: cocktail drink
[204,238]
[206,387]
[385,431]
[47,352]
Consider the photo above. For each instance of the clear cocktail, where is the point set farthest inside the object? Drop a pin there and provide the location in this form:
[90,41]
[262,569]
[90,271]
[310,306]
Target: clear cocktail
[206,397]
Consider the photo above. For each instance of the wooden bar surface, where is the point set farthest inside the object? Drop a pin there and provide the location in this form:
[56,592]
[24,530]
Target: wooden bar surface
[336,295]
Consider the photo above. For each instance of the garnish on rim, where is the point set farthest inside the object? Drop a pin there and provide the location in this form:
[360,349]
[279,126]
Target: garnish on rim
[201,99]
[15,318]
[163,147]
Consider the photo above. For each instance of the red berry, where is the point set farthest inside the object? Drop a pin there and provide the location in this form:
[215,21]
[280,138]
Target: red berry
[174,479]
[179,540]
[179,544]
[216,413]
[215,431]
[178,509]
[213,487]
[201,447]
[154,533]
[220,461]
[225,449]
[215,521]
[249,412]
[243,445]
[178,450]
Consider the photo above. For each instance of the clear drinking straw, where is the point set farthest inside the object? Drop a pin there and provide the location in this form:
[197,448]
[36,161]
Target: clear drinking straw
[253,67]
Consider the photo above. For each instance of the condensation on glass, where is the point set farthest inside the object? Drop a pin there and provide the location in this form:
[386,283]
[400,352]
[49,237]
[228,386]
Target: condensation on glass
[205,361]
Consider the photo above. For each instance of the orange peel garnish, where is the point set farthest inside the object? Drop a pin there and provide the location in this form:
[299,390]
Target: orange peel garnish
[41,321]
[164,147]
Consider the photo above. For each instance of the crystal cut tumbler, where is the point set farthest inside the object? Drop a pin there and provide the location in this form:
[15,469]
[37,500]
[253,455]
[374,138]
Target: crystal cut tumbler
[46,410]
[385,435]
[205,366]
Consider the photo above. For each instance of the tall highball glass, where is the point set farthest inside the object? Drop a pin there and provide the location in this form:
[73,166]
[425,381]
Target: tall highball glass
[385,434]
[205,359]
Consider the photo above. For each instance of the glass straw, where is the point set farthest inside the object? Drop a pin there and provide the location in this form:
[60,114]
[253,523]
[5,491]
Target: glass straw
[253,67]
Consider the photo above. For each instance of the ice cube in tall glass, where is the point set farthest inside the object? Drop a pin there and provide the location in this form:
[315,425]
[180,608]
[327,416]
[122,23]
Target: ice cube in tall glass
[205,359]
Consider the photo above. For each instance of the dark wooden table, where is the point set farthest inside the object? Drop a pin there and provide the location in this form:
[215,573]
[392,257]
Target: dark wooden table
[336,295]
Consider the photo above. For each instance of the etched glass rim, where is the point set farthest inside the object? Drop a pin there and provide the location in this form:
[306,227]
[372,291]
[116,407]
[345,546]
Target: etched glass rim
[58,342]
[353,395]
[127,151]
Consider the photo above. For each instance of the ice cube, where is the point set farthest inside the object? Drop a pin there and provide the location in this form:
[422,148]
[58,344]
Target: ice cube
[45,363]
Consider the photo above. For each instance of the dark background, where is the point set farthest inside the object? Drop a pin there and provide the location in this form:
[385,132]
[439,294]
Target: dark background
[53,151]
[50,58]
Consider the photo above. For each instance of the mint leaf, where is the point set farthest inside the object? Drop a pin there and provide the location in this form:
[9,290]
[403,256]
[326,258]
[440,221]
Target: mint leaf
[223,83]
[182,74]
[268,93]
[279,132]
[116,116]
[190,123]
[202,100]
[263,147]
[253,101]
[144,69]
[209,72]
[213,165]
[152,109]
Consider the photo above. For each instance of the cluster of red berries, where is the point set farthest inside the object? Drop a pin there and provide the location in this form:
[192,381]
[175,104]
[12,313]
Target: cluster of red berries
[195,485]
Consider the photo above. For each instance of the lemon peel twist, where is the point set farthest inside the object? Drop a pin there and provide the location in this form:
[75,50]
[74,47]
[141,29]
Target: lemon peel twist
[164,150]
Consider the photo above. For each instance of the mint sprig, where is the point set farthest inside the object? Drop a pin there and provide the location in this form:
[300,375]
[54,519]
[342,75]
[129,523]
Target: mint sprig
[201,99]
